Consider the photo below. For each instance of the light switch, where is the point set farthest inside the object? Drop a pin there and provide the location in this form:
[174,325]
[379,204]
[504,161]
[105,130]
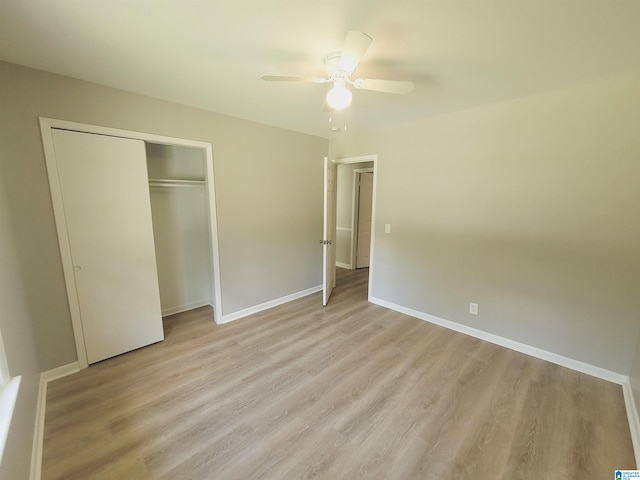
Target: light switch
[387,228]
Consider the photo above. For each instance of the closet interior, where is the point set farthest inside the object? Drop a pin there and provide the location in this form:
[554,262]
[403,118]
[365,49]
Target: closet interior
[181,226]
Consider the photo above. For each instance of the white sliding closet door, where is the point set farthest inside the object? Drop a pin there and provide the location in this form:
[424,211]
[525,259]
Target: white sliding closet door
[107,209]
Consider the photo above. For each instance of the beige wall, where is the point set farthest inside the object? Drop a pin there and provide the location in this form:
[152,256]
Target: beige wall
[528,208]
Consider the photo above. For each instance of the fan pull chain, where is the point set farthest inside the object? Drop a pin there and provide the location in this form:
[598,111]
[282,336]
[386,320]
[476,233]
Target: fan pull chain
[335,128]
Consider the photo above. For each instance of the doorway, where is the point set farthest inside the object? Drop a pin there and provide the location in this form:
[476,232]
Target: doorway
[345,228]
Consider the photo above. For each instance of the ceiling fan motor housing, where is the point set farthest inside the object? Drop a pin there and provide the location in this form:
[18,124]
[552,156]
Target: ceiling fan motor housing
[332,67]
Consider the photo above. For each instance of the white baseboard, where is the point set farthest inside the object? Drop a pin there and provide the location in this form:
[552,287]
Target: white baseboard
[632,416]
[344,265]
[505,342]
[267,305]
[38,434]
[185,307]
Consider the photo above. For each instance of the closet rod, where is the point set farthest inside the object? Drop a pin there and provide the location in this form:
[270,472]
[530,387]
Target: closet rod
[154,182]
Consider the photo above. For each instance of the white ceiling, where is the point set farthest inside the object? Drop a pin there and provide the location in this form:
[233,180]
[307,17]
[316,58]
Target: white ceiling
[210,54]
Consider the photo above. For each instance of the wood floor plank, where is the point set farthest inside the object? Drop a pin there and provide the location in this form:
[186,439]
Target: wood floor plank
[347,391]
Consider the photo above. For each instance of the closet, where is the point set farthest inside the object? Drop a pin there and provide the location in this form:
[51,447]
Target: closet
[179,207]
[137,232]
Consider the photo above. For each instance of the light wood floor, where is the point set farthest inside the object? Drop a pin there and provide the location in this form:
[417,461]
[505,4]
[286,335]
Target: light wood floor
[350,391]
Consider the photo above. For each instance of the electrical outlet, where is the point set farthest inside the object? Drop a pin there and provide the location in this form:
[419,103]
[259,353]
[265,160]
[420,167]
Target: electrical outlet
[473,308]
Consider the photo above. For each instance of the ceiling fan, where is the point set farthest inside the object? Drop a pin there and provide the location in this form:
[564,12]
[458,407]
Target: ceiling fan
[339,66]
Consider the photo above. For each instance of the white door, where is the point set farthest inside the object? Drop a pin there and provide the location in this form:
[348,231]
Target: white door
[329,231]
[365,197]
[107,209]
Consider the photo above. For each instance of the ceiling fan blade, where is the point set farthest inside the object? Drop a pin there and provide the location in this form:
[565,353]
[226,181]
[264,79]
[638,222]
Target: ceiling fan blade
[355,46]
[293,78]
[387,86]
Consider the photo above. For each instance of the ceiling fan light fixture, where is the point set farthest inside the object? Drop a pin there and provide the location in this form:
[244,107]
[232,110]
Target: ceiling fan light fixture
[339,97]
[339,66]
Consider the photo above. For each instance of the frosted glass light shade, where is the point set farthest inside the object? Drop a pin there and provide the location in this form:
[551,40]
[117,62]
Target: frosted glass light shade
[339,97]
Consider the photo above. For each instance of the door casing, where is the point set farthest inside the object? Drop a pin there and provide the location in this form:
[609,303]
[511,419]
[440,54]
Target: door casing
[361,159]
[355,216]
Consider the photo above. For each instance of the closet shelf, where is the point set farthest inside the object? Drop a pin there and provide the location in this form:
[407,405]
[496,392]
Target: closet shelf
[170,182]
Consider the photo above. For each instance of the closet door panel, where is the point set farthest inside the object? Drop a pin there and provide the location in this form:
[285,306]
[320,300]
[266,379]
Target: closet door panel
[108,217]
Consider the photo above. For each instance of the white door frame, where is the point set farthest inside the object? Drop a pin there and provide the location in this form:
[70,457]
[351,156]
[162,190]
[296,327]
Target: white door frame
[355,204]
[46,127]
[366,158]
